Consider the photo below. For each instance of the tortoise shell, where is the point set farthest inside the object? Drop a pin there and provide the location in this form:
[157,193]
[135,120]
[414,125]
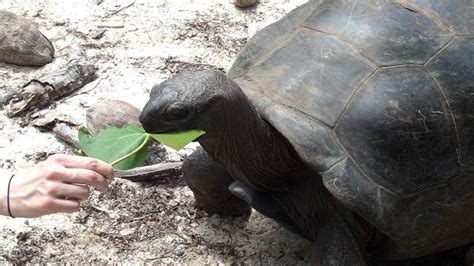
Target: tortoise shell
[378,97]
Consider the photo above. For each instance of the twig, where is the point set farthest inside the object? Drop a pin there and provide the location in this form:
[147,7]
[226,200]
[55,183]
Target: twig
[151,172]
[98,209]
[66,134]
[119,10]
[116,25]
[80,92]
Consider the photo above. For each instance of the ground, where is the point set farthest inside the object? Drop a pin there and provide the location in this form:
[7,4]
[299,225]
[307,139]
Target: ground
[134,45]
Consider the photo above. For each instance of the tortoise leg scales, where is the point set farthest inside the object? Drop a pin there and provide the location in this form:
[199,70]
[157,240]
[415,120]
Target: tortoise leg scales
[209,182]
[336,245]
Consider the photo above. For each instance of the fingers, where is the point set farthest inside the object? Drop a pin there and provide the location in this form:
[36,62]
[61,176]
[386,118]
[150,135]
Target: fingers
[71,161]
[76,192]
[65,205]
[86,177]
[58,184]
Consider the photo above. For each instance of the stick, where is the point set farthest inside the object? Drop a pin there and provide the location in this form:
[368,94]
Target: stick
[119,10]
[66,134]
[151,172]
[39,93]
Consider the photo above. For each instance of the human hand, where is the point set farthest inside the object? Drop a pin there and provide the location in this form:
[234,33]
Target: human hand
[59,184]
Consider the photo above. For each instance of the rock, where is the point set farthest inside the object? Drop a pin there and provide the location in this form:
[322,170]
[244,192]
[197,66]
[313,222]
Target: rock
[245,3]
[111,112]
[127,231]
[21,42]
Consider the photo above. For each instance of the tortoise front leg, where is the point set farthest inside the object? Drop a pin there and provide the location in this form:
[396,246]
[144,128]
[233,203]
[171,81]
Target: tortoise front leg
[209,182]
[335,244]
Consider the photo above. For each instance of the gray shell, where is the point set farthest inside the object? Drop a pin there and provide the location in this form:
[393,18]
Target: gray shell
[21,43]
[378,97]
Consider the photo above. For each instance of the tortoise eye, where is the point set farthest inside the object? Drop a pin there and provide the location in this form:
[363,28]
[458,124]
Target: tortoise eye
[176,112]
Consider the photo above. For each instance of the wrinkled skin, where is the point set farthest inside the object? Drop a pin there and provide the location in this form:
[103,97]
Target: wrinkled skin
[21,42]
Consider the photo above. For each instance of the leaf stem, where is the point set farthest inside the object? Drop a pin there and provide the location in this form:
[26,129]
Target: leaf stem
[128,155]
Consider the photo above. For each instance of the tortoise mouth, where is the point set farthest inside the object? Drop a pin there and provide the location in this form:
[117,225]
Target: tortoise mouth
[171,131]
[163,129]
[154,125]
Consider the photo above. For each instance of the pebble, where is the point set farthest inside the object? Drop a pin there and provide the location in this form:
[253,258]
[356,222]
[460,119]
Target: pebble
[127,231]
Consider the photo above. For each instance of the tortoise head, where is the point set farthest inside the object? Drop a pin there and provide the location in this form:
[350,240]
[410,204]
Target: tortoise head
[188,101]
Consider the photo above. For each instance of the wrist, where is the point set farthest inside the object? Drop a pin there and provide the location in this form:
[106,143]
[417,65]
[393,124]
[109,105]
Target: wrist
[4,180]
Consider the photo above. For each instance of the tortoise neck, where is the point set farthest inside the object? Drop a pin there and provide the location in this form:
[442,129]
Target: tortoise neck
[250,149]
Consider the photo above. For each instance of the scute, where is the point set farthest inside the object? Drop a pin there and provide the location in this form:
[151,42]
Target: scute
[399,130]
[459,14]
[454,70]
[268,38]
[417,225]
[305,73]
[383,31]
[315,142]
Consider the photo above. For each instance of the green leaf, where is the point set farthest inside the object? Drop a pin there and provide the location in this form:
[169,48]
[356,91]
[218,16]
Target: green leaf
[178,140]
[125,147]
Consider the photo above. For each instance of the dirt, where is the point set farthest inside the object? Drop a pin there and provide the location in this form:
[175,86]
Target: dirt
[134,45]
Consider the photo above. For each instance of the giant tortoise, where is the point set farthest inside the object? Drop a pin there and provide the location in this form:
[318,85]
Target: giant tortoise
[348,122]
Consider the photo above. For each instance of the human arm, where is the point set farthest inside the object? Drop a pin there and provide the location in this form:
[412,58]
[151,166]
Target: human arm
[59,184]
